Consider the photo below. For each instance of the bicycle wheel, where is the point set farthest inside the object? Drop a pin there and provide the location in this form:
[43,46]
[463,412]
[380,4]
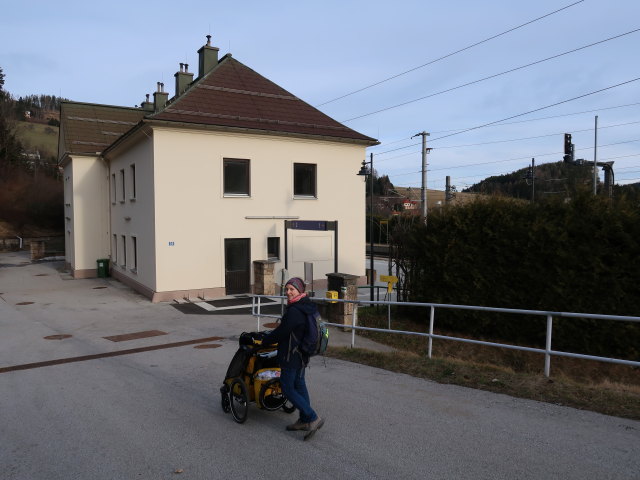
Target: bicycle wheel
[239,400]
[224,398]
[271,396]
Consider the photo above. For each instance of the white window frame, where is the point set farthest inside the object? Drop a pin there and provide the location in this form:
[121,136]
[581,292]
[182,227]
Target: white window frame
[134,249]
[124,252]
[114,192]
[246,194]
[315,182]
[123,185]
[132,174]
[114,254]
[270,257]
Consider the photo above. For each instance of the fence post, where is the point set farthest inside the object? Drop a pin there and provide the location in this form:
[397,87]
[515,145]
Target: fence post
[547,355]
[389,314]
[354,321]
[431,319]
[254,302]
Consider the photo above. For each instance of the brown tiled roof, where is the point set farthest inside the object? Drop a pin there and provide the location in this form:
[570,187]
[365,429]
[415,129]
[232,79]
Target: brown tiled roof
[90,128]
[233,95]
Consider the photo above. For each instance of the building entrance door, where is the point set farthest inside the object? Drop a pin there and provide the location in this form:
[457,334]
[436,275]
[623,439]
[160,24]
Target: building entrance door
[237,263]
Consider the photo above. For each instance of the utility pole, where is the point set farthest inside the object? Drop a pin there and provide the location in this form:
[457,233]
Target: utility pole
[531,176]
[533,179]
[595,159]
[423,190]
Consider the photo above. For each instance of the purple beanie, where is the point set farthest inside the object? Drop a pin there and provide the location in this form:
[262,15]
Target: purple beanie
[297,283]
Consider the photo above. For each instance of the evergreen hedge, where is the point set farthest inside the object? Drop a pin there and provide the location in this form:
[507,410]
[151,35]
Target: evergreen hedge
[581,256]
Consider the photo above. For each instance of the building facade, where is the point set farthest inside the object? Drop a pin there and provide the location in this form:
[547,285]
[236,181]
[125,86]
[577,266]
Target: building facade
[182,195]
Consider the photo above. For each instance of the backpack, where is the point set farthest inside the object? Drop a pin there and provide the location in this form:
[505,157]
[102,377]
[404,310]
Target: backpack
[316,337]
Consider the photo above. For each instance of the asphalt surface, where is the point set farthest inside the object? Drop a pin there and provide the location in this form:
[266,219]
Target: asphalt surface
[114,410]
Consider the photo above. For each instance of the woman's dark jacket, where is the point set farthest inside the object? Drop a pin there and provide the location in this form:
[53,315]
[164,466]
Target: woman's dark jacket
[289,333]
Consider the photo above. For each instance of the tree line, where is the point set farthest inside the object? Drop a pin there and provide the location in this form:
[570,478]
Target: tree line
[31,190]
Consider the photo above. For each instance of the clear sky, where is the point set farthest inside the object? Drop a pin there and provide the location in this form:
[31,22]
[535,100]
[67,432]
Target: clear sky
[114,52]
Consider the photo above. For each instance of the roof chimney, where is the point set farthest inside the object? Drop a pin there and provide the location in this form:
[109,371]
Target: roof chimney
[183,79]
[160,98]
[208,58]
[147,105]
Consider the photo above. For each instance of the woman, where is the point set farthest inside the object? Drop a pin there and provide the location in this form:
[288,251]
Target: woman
[293,362]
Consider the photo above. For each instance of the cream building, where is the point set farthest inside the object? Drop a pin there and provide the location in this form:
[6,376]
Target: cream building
[182,195]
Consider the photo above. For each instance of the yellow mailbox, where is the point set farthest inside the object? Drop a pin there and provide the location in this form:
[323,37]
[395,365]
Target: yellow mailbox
[333,295]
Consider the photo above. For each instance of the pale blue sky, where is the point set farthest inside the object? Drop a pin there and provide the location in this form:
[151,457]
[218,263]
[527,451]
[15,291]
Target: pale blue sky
[114,52]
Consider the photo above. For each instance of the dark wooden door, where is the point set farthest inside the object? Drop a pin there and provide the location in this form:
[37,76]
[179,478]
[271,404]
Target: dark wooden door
[237,264]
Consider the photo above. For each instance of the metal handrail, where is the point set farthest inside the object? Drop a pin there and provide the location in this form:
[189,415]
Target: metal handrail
[547,351]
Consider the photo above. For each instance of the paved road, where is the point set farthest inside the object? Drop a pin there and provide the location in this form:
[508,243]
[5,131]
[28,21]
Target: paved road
[146,415]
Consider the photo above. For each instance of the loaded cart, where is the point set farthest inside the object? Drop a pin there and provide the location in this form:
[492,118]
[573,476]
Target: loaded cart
[253,376]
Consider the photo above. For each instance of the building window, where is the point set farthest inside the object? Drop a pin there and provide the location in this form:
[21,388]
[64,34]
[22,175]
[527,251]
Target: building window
[113,188]
[114,247]
[304,179]
[134,247]
[122,195]
[236,177]
[273,248]
[132,171]
[124,252]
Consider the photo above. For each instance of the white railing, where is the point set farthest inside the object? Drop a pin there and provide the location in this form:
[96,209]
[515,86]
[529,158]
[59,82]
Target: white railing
[547,351]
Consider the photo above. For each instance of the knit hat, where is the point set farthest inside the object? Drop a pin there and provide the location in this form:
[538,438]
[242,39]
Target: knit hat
[297,283]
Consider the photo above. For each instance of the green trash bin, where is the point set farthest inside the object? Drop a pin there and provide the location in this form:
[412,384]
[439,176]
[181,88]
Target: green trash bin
[103,268]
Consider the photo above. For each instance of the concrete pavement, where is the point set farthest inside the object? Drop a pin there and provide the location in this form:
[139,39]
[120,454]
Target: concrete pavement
[149,413]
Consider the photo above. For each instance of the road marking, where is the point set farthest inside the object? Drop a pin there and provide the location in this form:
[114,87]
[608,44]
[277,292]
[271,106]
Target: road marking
[117,353]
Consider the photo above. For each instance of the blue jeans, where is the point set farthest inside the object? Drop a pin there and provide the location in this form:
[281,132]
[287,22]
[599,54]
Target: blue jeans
[295,389]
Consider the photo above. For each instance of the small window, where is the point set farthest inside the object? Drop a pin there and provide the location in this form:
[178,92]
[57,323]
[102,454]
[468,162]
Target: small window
[124,252]
[132,171]
[273,248]
[304,180]
[113,188]
[114,257]
[122,194]
[236,177]
[134,247]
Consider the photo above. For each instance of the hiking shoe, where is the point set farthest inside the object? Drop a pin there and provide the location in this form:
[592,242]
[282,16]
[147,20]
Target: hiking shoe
[314,427]
[299,425]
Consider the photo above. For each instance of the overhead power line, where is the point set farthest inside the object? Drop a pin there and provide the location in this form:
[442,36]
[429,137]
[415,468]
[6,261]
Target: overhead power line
[500,141]
[448,55]
[492,76]
[540,108]
[536,155]
[499,125]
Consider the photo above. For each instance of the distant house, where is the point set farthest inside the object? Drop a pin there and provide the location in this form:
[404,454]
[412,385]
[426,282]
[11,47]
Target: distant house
[409,204]
[183,194]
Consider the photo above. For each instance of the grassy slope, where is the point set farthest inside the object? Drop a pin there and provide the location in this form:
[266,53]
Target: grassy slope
[34,136]
[599,387]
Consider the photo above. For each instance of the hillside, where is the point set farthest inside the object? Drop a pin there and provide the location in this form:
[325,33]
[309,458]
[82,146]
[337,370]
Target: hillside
[31,188]
[551,180]
[38,137]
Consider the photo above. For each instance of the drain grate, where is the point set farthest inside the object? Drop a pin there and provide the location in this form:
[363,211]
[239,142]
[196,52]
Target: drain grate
[98,288]
[135,336]
[208,345]
[24,303]
[58,337]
